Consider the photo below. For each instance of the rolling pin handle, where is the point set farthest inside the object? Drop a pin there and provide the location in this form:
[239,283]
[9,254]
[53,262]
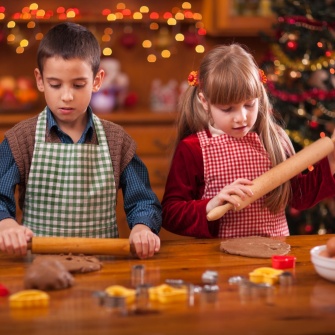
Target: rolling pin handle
[217,212]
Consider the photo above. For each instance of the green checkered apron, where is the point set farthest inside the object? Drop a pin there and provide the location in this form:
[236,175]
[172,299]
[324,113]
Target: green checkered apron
[71,188]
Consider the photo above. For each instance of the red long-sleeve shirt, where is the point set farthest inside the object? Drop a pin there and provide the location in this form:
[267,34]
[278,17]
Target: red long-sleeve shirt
[184,210]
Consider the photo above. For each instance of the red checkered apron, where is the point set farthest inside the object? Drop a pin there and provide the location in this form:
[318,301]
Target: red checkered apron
[227,158]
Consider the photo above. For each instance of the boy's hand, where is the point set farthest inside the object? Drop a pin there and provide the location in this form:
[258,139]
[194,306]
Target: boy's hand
[144,241]
[14,237]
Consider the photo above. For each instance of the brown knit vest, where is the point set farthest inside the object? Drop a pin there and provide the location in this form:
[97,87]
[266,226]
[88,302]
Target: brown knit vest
[21,139]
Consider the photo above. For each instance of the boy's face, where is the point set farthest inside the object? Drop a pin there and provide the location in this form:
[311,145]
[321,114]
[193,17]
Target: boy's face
[67,87]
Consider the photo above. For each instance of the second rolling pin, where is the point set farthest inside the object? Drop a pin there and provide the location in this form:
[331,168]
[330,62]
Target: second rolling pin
[279,174]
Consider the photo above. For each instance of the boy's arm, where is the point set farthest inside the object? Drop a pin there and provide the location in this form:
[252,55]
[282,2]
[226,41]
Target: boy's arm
[13,236]
[9,178]
[142,208]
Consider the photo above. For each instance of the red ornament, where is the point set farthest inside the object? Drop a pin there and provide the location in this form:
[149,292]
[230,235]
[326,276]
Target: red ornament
[292,45]
[294,212]
[308,228]
[131,99]
[191,39]
[313,124]
[3,291]
[328,53]
[128,40]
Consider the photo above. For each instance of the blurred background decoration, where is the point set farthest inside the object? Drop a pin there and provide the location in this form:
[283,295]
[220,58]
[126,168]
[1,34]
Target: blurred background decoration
[113,92]
[17,93]
[164,29]
[300,66]
[133,35]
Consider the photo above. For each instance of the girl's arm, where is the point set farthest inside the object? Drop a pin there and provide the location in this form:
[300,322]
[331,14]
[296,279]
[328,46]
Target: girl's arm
[310,188]
[184,212]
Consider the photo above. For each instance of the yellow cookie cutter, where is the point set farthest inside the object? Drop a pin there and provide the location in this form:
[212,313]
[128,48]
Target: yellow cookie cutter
[29,299]
[166,293]
[121,291]
[265,275]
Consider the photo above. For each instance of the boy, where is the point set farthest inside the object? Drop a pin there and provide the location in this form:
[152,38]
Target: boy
[68,163]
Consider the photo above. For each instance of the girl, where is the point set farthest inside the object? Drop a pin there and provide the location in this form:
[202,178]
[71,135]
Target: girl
[228,136]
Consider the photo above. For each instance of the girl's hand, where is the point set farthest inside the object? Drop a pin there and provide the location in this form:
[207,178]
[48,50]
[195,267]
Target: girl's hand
[239,187]
[14,237]
[143,241]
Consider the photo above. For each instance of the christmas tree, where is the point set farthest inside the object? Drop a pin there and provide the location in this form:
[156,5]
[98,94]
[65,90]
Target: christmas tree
[300,67]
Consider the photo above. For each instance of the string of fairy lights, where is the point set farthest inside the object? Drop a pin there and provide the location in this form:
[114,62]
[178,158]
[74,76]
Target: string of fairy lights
[164,30]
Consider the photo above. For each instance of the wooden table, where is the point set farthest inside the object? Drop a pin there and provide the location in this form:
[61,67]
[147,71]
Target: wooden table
[306,307]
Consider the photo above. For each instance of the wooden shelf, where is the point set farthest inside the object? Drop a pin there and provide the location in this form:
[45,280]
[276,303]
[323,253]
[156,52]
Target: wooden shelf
[219,21]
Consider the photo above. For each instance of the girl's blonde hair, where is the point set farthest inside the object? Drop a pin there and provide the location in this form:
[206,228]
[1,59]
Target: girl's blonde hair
[229,74]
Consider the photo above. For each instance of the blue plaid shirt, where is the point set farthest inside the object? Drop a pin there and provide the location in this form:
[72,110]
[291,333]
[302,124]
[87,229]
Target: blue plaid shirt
[140,203]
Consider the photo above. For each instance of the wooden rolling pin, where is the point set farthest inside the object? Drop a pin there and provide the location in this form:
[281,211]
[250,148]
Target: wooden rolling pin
[79,245]
[279,174]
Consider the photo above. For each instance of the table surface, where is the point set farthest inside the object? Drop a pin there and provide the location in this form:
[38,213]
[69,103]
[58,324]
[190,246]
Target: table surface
[305,307]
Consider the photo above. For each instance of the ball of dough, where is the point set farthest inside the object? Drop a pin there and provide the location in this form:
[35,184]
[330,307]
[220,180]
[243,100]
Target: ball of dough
[48,275]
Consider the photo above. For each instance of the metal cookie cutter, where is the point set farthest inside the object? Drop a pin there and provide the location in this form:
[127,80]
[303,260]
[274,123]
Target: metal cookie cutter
[209,277]
[117,304]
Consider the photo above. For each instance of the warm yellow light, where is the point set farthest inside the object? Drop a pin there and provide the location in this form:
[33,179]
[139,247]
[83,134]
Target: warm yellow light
[2,16]
[33,6]
[24,43]
[166,54]
[293,74]
[120,5]
[186,5]
[151,58]
[146,44]
[38,36]
[144,9]
[111,17]
[137,16]
[40,13]
[26,16]
[11,38]
[107,51]
[175,10]
[19,50]
[108,31]
[31,24]
[154,26]
[179,16]
[200,49]
[71,14]
[11,24]
[179,37]
[171,21]
[105,38]
[197,16]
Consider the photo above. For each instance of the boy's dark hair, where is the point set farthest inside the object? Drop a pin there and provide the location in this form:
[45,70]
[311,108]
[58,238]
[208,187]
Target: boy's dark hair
[69,40]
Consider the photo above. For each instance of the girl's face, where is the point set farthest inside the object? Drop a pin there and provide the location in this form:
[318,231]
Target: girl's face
[235,120]
[68,86]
